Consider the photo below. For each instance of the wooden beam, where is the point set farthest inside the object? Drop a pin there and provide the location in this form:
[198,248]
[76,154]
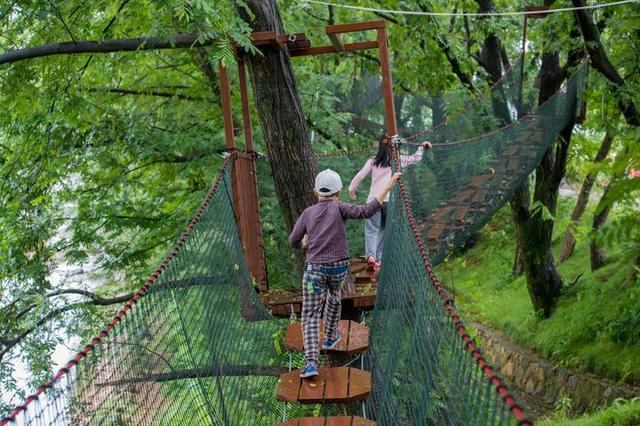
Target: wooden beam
[543,11]
[321,50]
[355,27]
[387,83]
[270,38]
[227,117]
[246,114]
[298,44]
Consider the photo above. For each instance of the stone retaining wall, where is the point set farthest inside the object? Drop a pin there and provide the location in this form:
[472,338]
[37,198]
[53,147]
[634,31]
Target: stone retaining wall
[542,380]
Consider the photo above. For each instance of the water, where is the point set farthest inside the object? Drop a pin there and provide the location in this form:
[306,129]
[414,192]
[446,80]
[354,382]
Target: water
[64,275]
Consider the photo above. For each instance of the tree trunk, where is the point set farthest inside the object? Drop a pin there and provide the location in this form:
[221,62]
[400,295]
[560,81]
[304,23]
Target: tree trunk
[600,61]
[533,232]
[280,112]
[633,272]
[597,253]
[518,266]
[569,241]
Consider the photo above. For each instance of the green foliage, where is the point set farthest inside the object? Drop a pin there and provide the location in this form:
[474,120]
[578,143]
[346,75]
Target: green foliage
[621,413]
[594,326]
[122,174]
[562,407]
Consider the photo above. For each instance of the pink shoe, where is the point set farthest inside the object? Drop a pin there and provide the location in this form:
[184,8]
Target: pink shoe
[377,265]
[371,263]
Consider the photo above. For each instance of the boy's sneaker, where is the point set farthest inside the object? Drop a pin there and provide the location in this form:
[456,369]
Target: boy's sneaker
[330,344]
[309,371]
[377,265]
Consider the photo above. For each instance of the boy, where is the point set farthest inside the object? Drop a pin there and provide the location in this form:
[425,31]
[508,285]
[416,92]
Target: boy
[327,260]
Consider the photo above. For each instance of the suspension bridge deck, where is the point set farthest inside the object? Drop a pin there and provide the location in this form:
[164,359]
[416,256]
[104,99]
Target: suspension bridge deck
[359,293]
[329,421]
[355,337]
[332,385]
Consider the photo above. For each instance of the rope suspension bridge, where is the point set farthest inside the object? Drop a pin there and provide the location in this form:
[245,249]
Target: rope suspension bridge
[198,344]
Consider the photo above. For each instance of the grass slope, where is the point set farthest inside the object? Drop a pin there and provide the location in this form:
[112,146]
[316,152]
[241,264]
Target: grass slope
[595,326]
[622,413]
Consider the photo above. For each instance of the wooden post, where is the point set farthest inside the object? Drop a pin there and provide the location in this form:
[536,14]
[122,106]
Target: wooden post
[246,199]
[387,83]
[246,115]
[247,210]
[227,117]
[244,177]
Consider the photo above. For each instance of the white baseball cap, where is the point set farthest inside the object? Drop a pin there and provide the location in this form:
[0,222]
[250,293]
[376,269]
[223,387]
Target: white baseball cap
[328,183]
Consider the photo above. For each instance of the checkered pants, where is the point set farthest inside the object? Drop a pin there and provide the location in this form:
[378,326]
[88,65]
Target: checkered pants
[318,280]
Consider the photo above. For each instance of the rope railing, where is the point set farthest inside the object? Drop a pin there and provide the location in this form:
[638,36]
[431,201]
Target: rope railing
[97,340]
[469,343]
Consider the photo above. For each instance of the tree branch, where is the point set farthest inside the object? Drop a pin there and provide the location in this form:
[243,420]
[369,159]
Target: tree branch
[61,18]
[175,41]
[9,343]
[600,60]
[95,300]
[120,91]
[223,370]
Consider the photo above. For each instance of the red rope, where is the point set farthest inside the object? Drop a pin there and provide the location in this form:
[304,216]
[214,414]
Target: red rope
[141,292]
[469,343]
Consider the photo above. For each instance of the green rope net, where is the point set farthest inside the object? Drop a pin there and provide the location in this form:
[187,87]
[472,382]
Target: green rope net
[197,346]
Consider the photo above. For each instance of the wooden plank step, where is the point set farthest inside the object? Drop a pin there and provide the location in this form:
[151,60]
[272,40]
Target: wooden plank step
[329,421]
[354,337]
[365,276]
[332,385]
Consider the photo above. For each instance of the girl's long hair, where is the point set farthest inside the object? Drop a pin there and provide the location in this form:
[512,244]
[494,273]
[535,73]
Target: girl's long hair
[383,157]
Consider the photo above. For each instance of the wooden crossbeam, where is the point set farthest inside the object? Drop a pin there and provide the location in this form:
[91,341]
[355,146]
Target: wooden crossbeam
[322,50]
[355,27]
[267,38]
[543,11]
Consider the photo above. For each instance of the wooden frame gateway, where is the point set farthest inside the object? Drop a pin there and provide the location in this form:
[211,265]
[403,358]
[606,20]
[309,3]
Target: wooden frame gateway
[244,181]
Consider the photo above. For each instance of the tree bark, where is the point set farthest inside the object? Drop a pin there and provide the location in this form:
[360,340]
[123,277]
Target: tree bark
[121,91]
[518,266]
[600,61]
[223,370]
[106,46]
[533,231]
[283,123]
[491,58]
[569,241]
[597,253]
[633,272]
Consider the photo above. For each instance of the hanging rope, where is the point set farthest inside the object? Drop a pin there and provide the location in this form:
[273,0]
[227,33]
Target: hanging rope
[468,14]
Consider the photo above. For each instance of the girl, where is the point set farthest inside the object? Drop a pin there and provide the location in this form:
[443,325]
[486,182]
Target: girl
[380,169]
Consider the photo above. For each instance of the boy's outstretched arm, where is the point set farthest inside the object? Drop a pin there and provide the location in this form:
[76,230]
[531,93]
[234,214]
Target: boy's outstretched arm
[354,211]
[298,232]
[382,195]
